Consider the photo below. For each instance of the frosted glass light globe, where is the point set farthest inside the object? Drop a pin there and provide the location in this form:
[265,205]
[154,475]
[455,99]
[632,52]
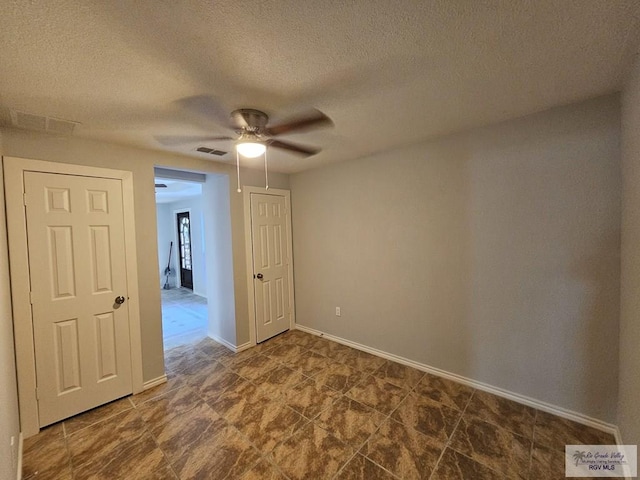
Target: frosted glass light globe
[251,149]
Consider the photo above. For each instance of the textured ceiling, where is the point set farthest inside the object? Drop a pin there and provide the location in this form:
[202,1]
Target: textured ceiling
[176,190]
[387,72]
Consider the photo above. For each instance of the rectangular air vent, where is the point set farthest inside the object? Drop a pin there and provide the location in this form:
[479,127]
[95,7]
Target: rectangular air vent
[211,151]
[28,121]
[61,127]
[41,123]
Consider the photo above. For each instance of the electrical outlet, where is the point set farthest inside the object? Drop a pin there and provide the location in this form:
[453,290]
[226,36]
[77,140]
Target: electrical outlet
[338,313]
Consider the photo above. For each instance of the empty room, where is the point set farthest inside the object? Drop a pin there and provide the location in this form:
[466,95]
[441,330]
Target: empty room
[319,240]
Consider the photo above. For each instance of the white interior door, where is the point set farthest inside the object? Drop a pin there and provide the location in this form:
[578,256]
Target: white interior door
[78,285]
[270,265]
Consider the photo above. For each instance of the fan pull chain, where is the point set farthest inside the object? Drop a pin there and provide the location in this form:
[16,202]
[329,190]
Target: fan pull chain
[238,168]
[266,175]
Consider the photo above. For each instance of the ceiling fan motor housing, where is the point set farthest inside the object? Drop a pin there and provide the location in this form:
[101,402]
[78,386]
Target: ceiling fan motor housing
[250,120]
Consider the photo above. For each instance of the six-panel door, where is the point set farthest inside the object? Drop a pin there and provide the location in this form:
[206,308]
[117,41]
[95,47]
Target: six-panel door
[270,265]
[77,270]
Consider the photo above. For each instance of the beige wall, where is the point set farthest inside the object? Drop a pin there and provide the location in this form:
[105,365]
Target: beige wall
[9,426]
[141,162]
[628,409]
[492,254]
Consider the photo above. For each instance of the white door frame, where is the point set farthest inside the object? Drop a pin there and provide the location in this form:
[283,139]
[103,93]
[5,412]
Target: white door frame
[248,236]
[14,169]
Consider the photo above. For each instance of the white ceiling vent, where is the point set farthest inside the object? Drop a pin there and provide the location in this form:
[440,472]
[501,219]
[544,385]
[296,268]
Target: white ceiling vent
[41,123]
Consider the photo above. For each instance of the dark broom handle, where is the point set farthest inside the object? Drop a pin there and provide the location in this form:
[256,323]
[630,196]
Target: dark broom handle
[169,261]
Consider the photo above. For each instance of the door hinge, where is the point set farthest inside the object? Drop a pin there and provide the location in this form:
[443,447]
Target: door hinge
[24,199]
[37,394]
[31,297]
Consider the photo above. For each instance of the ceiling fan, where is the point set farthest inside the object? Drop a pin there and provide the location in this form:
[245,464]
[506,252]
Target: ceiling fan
[252,130]
[253,134]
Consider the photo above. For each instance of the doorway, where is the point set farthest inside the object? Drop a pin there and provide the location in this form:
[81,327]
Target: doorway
[182,258]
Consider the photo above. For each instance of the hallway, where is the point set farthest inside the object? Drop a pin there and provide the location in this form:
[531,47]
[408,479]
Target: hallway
[184,317]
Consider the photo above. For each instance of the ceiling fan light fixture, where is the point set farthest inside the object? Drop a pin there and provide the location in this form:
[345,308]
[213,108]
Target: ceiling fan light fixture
[251,149]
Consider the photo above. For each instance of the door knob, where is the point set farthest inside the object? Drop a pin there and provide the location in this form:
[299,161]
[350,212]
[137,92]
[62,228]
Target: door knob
[120,300]
[259,276]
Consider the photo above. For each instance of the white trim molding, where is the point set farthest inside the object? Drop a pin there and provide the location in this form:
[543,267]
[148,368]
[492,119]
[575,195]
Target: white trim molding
[154,382]
[243,347]
[224,342]
[14,169]
[20,454]
[231,346]
[531,402]
[618,435]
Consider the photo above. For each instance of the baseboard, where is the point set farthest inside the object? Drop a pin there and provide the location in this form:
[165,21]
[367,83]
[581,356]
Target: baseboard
[154,382]
[244,346]
[531,402]
[20,449]
[230,345]
[618,435]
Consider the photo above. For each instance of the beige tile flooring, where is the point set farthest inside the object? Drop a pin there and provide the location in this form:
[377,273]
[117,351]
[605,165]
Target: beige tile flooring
[301,407]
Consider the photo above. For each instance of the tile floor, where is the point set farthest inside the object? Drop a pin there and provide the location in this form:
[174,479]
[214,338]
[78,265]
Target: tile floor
[302,407]
[184,317]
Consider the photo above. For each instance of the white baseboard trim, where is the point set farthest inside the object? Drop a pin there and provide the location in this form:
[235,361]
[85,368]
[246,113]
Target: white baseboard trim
[20,450]
[244,346]
[618,435]
[229,345]
[531,402]
[154,382]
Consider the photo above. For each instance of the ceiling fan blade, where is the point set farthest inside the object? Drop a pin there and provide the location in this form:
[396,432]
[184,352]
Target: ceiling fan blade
[299,149]
[173,140]
[314,120]
[161,185]
[208,107]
